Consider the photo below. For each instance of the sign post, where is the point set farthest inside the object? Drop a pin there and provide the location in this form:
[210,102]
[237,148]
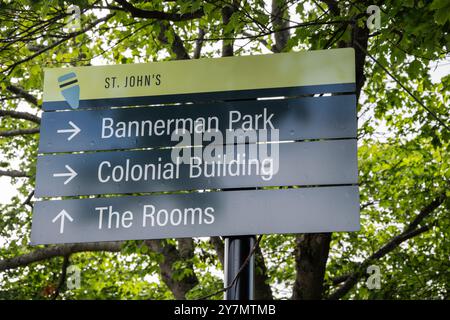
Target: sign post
[240,268]
[200,148]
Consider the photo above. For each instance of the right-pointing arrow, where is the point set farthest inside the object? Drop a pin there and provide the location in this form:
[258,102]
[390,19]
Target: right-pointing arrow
[71,174]
[62,215]
[75,130]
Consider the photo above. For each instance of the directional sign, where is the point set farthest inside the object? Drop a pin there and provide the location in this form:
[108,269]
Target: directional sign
[73,131]
[229,78]
[324,209]
[300,163]
[131,128]
[61,217]
[105,131]
[70,174]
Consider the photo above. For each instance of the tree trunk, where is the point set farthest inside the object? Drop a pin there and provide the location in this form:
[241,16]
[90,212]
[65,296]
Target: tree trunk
[171,255]
[280,23]
[227,45]
[262,287]
[311,256]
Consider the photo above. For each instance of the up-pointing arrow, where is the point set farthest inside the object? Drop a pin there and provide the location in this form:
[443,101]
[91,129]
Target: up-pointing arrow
[75,130]
[71,174]
[62,215]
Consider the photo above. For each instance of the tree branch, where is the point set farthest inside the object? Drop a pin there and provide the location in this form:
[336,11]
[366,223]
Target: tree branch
[333,7]
[58,251]
[28,200]
[199,43]
[339,279]
[426,211]
[18,132]
[22,93]
[57,43]
[267,33]
[14,173]
[353,278]
[20,115]
[62,277]
[350,280]
[176,46]
[159,15]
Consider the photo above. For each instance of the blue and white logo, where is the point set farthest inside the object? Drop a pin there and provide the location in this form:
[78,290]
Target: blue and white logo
[70,89]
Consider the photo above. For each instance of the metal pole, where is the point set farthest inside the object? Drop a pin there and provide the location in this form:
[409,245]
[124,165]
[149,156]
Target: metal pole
[237,249]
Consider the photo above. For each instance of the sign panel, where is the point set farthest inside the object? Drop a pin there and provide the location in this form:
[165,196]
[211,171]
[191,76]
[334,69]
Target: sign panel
[322,209]
[299,163]
[132,128]
[283,74]
[105,108]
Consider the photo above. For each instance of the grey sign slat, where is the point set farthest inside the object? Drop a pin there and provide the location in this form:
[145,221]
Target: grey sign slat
[300,163]
[132,128]
[320,209]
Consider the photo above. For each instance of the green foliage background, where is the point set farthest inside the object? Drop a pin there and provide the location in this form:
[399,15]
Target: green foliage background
[404,161]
